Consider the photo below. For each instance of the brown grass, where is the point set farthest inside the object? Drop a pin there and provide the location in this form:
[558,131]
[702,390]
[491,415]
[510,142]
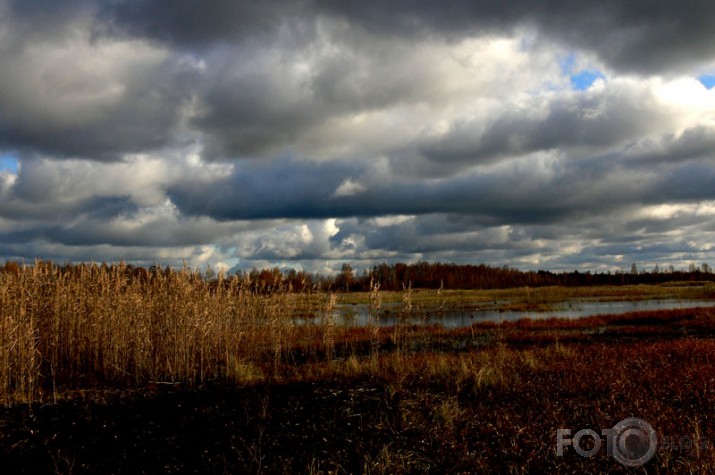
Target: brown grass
[96,326]
[540,298]
[479,399]
[91,326]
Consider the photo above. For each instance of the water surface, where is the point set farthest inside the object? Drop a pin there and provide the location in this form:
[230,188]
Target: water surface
[390,313]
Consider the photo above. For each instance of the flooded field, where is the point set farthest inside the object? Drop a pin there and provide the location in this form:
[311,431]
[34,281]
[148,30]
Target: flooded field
[392,312]
[106,372]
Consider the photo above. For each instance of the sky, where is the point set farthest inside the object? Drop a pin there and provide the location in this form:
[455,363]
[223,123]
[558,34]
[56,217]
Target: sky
[553,135]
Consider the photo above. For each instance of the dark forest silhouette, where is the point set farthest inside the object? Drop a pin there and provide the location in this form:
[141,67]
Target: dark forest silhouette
[435,275]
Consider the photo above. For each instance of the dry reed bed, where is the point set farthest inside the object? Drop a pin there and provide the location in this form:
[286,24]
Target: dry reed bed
[491,405]
[96,325]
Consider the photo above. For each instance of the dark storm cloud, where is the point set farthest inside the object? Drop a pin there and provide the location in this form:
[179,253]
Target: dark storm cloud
[593,119]
[595,241]
[422,234]
[43,192]
[692,144]
[258,111]
[71,123]
[312,130]
[34,20]
[267,101]
[636,35]
[688,182]
[558,201]
[12,207]
[198,23]
[93,232]
[294,189]
[252,114]
[281,188]
[109,221]
[642,36]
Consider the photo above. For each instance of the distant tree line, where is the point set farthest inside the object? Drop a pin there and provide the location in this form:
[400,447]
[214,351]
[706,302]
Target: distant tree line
[482,276]
[435,275]
[429,275]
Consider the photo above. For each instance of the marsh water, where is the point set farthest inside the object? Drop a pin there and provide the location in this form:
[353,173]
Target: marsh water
[391,313]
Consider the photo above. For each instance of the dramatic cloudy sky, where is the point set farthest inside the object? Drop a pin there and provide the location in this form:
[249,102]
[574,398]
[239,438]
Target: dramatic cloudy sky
[552,135]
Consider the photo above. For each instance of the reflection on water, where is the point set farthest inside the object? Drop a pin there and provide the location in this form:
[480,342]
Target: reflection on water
[359,315]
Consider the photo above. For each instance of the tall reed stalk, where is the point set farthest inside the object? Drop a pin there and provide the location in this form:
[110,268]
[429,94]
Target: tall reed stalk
[93,325]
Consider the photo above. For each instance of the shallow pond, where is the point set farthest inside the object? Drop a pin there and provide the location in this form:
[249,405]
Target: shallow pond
[359,315]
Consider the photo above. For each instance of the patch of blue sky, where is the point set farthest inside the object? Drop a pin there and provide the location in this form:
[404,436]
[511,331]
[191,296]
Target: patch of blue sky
[581,79]
[708,80]
[585,79]
[9,162]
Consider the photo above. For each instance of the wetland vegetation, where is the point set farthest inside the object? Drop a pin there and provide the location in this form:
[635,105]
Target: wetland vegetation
[106,369]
